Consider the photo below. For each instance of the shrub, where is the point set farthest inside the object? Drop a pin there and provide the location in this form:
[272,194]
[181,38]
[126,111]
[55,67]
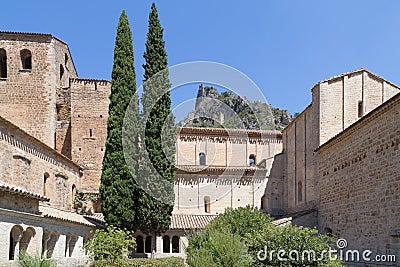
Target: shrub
[250,231]
[26,260]
[110,244]
[215,248]
[165,262]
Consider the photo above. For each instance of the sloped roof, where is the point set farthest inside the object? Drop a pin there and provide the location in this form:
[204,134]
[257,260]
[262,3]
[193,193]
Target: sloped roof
[33,34]
[22,192]
[354,72]
[68,216]
[188,221]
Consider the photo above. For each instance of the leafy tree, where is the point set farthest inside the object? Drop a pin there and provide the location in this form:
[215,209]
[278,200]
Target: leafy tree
[118,189]
[110,244]
[257,233]
[157,168]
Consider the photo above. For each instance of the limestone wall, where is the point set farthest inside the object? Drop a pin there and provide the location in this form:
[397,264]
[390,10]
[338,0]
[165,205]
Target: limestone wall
[224,147]
[222,190]
[336,104]
[28,96]
[89,113]
[64,239]
[31,165]
[359,182]
[346,98]
[300,141]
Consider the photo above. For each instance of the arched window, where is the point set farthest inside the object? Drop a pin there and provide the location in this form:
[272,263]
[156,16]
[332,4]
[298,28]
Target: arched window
[252,160]
[207,205]
[45,180]
[263,204]
[139,244]
[166,245]
[15,237]
[73,192]
[175,244]
[26,59]
[299,191]
[202,159]
[66,60]
[147,245]
[3,63]
[51,243]
[26,238]
[61,72]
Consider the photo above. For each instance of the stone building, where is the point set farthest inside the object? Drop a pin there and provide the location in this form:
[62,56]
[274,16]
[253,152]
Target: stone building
[342,166]
[336,166]
[52,135]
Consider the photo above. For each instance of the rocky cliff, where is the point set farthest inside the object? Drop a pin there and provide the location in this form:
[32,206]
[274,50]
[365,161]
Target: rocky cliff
[213,109]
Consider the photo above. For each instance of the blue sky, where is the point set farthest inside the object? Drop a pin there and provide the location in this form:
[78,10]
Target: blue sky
[284,46]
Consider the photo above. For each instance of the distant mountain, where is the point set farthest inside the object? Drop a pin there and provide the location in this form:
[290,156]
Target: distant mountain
[227,110]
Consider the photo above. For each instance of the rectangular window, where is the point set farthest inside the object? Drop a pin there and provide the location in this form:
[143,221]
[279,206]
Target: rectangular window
[360,109]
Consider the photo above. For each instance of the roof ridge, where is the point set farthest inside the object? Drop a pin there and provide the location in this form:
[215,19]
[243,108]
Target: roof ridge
[33,34]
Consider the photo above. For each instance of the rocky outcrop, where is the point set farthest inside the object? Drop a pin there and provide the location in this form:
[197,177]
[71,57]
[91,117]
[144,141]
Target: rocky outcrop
[231,111]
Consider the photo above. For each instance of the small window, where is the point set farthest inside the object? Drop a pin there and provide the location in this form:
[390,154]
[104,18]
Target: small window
[299,192]
[202,159]
[166,245]
[328,231]
[139,244]
[61,72]
[90,132]
[263,200]
[175,244]
[252,160]
[207,205]
[360,109]
[73,191]
[26,59]
[3,64]
[66,60]
[147,245]
[45,180]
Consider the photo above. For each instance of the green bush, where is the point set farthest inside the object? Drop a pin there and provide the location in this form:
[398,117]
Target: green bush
[250,233]
[214,248]
[26,260]
[110,244]
[165,262]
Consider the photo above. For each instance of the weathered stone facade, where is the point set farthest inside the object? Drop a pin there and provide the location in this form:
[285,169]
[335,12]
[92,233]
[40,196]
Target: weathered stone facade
[359,182]
[33,74]
[220,168]
[336,104]
[41,170]
[336,166]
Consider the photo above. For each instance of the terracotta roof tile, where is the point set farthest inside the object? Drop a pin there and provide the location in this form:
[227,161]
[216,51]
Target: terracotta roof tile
[187,221]
[69,216]
[22,192]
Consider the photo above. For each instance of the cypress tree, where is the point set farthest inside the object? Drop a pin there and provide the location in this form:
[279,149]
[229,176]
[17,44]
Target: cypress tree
[118,189]
[157,152]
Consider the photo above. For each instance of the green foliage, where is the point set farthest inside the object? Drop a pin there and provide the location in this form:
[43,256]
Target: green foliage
[118,189]
[238,112]
[215,248]
[26,260]
[157,150]
[255,231]
[81,199]
[164,262]
[111,244]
